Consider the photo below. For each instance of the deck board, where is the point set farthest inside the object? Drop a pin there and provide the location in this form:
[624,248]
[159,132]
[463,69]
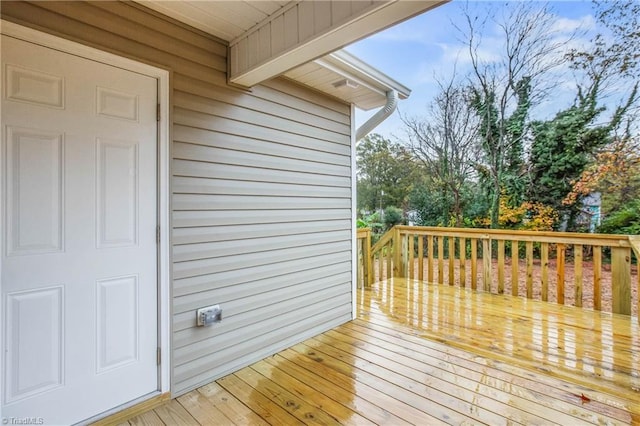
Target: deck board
[423,353]
[467,385]
[174,413]
[531,342]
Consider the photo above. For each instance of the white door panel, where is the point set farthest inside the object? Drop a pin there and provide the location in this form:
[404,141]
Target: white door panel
[79,253]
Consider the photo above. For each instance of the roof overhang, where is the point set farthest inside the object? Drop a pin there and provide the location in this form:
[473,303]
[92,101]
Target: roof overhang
[298,39]
[305,30]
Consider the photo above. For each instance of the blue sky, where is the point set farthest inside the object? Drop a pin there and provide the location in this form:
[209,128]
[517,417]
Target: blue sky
[424,47]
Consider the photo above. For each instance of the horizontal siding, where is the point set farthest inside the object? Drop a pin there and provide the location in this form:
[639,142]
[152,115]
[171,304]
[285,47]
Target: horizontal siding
[68,20]
[257,308]
[267,120]
[278,337]
[201,284]
[230,202]
[261,191]
[194,235]
[185,219]
[193,185]
[239,262]
[185,151]
[187,252]
[319,151]
[300,111]
[286,314]
[272,88]
[184,318]
[247,173]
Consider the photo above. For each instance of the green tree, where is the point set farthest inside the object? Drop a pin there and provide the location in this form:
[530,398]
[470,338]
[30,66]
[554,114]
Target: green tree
[502,141]
[563,147]
[506,88]
[613,60]
[392,216]
[431,205]
[626,220]
[385,168]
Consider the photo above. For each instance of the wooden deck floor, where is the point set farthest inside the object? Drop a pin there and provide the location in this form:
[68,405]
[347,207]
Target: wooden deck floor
[427,354]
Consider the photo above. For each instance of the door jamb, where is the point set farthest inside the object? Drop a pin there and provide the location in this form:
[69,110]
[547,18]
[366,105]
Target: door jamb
[163,173]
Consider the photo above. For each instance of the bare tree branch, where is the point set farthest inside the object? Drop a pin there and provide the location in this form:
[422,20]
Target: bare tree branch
[445,142]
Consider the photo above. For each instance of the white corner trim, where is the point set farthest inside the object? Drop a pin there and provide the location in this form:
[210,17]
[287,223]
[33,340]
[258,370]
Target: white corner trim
[354,215]
[162,76]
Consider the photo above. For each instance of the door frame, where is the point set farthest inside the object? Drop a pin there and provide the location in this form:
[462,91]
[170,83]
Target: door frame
[163,181]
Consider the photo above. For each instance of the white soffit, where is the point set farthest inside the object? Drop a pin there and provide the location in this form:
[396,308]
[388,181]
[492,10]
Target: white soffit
[346,77]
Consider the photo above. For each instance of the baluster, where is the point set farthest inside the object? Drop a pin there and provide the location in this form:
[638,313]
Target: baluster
[430,259]
[452,259]
[597,278]
[560,259]
[529,250]
[474,264]
[440,260]
[486,262]
[421,257]
[463,262]
[577,274]
[515,255]
[411,270]
[544,260]
[500,266]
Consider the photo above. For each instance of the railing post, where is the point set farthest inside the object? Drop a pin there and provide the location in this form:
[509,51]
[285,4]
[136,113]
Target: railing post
[364,258]
[398,256]
[621,280]
[368,266]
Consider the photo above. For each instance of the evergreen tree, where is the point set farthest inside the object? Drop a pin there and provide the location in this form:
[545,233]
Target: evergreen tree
[563,147]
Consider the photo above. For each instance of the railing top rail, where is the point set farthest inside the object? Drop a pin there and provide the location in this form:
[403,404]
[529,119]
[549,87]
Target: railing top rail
[383,241]
[534,236]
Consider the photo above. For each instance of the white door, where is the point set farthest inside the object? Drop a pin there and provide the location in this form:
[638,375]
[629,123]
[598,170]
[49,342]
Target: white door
[79,255]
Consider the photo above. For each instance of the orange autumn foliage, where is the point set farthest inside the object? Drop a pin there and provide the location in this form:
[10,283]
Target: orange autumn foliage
[528,216]
[609,171]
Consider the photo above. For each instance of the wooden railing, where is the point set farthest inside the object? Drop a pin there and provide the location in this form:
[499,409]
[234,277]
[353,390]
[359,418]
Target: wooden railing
[585,270]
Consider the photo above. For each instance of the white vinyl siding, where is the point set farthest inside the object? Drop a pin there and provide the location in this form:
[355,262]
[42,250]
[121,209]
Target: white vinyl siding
[261,191]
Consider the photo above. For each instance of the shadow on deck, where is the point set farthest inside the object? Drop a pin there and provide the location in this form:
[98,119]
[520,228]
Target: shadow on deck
[432,354]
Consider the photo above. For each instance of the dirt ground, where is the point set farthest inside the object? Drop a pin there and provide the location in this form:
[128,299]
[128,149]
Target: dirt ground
[569,281]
